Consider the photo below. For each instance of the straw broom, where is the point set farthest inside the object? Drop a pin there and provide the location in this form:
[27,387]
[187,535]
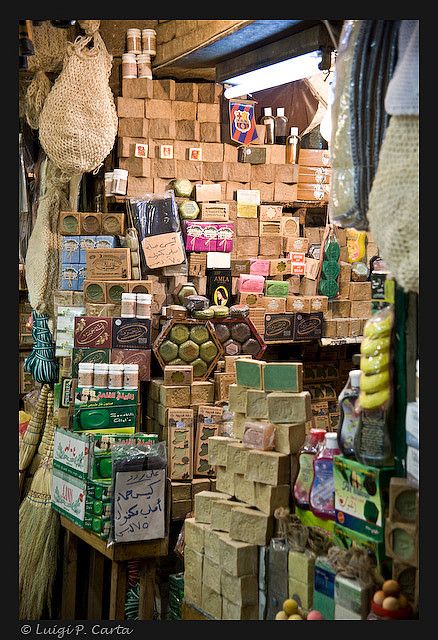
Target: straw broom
[42,448]
[39,536]
[31,438]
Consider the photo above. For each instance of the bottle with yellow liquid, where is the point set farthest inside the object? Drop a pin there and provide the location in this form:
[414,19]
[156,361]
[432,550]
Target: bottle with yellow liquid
[372,443]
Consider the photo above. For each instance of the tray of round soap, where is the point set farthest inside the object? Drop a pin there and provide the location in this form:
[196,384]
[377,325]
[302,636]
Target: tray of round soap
[239,335]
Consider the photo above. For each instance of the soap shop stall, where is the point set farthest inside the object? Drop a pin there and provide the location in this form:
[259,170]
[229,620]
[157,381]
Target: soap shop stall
[210,308]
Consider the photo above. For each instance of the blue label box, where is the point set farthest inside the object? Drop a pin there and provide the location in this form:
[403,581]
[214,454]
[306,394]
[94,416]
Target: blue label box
[70,250]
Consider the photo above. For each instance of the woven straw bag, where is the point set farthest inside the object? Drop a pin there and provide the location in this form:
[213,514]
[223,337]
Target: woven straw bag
[78,123]
[393,211]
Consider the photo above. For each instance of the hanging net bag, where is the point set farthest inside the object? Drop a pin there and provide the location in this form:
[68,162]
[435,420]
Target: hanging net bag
[78,123]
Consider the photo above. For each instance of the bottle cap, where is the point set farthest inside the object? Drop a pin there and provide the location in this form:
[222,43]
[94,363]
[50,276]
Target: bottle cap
[318,435]
[331,440]
[268,111]
[280,111]
[294,131]
[355,377]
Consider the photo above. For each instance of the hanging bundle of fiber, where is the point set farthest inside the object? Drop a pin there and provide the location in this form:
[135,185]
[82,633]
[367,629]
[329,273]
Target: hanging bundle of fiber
[38,533]
[31,438]
[41,362]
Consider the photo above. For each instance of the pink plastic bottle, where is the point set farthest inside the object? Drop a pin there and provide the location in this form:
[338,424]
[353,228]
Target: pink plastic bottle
[306,456]
[322,493]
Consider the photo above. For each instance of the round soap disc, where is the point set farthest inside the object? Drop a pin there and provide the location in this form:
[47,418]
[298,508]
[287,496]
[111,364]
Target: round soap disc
[239,311]
[231,348]
[330,269]
[199,334]
[220,311]
[328,288]
[251,347]
[199,368]
[188,351]
[222,332]
[240,332]
[179,333]
[168,350]
[205,314]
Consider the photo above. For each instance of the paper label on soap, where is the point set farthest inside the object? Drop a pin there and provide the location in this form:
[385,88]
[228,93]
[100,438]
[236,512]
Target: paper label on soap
[248,196]
[139,505]
[163,250]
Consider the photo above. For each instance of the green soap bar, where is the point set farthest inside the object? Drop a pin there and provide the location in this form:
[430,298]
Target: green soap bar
[199,334]
[168,351]
[182,187]
[203,314]
[403,544]
[179,333]
[115,293]
[249,373]
[277,288]
[71,224]
[256,404]
[93,419]
[237,398]
[199,368]
[95,293]
[220,311]
[222,332]
[289,407]
[328,288]
[332,249]
[208,351]
[301,565]
[188,210]
[240,332]
[284,376]
[330,269]
[188,289]
[188,351]
[177,361]
[105,467]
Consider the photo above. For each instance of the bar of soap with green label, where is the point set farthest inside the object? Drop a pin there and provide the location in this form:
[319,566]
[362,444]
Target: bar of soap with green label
[277,288]
[249,373]
[286,407]
[283,376]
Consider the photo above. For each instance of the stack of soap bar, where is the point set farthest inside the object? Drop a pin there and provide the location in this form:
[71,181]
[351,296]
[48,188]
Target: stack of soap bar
[259,435]
[249,373]
[250,525]
[237,398]
[268,467]
[217,450]
[289,407]
[256,404]
[283,376]
[221,513]
[251,283]
[203,501]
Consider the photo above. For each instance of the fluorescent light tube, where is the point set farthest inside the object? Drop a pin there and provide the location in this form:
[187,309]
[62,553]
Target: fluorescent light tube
[274,75]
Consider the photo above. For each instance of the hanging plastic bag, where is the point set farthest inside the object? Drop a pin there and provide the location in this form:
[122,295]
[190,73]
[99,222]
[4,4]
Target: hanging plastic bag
[78,123]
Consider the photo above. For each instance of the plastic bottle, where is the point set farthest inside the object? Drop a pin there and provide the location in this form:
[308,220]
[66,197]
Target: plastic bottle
[269,121]
[372,444]
[306,456]
[292,146]
[348,419]
[280,126]
[322,492]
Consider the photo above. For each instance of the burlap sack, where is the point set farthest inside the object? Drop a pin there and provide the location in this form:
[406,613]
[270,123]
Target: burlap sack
[78,123]
[393,211]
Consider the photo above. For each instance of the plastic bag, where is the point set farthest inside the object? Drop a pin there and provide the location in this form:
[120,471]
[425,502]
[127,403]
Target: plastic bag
[139,492]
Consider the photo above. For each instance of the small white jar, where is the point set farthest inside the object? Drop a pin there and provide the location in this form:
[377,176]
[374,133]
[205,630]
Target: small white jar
[130,376]
[100,375]
[149,41]
[129,65]
[144,301]
[128,305]
[85,374]
[133,40]
[120,181]
[115,376]
[144,69]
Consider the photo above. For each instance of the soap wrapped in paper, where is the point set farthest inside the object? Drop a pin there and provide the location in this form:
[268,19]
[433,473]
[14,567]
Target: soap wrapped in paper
[259,435]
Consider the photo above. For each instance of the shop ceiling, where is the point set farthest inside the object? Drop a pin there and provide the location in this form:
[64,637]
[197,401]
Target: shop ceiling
[248,46]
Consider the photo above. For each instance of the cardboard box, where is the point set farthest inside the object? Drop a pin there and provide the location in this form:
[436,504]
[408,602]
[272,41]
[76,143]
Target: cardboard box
[314,158]
[178,375]
[108,264]
[180,453]
[207,192]
[101,408]
[142,357]
[279,327]
[247,247]
[71,453]
[69,496]
[131,333]
[270,246]
[93,332]
[270,213]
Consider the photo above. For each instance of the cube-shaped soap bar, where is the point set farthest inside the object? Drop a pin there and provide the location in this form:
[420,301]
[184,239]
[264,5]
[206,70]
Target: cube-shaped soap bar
[289,438]
[269,498]
[243,590]
[217,450]
[244,490]
[237,398]
[286,407]
[268,467]
[224,480]
[211,575]
[237,455]
[301,565]
[252,526]
[237,558]
[221,513]
[256,404]
[203,501]
[283,376]
[233,611]
[239,425]
[249,373]
[301,592]
[194,534]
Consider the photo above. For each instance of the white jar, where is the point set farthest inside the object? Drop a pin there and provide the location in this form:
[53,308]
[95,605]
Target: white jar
[120,181]
[149,41]
[115,376]
[144,301]
[128,305]
[130,376]
[144,69]
[108,182]
[100,375]
[129,65]
[85,374]
[133,41]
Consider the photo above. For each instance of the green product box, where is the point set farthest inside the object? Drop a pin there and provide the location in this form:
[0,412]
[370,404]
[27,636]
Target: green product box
[101,508]
[361,496]
[276,288]
[71,452]
[310,520]
[69,496]
[99,489]
[97,525]
[94,355]
[345,538]
[324,588]
[103,408]
[100,451]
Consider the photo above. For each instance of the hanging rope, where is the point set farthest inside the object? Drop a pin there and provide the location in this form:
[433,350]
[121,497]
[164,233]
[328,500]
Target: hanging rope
[41,362]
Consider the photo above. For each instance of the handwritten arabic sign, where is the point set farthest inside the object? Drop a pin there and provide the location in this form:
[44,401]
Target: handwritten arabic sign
[139,505]
[163,250]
